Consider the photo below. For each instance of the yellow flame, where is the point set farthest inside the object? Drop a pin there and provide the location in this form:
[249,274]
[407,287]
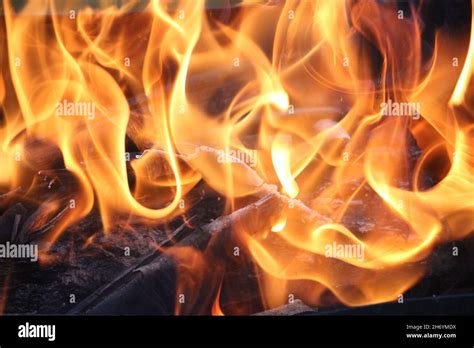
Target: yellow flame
[216,96]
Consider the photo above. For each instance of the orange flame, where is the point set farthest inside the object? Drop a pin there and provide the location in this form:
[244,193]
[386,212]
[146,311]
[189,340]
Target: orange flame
[301,102]
[216,306]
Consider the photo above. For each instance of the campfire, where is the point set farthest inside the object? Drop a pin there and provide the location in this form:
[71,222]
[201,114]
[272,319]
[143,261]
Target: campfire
[230,157]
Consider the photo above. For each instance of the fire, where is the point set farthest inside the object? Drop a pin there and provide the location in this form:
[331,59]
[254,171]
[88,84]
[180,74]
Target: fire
[280,225]
[272,95]
[216,307]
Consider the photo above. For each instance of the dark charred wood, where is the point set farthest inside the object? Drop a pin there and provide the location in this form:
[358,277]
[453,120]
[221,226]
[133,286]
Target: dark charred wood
[149,288]
[11,222]
[295,308]
[435,305]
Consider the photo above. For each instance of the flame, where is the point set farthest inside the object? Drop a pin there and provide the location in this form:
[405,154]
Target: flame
[216,96]
[281,159]
[216,307]
[279,225]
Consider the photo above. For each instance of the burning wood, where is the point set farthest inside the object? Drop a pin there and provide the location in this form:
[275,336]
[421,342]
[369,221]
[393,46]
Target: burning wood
[204,165]
[138,284]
